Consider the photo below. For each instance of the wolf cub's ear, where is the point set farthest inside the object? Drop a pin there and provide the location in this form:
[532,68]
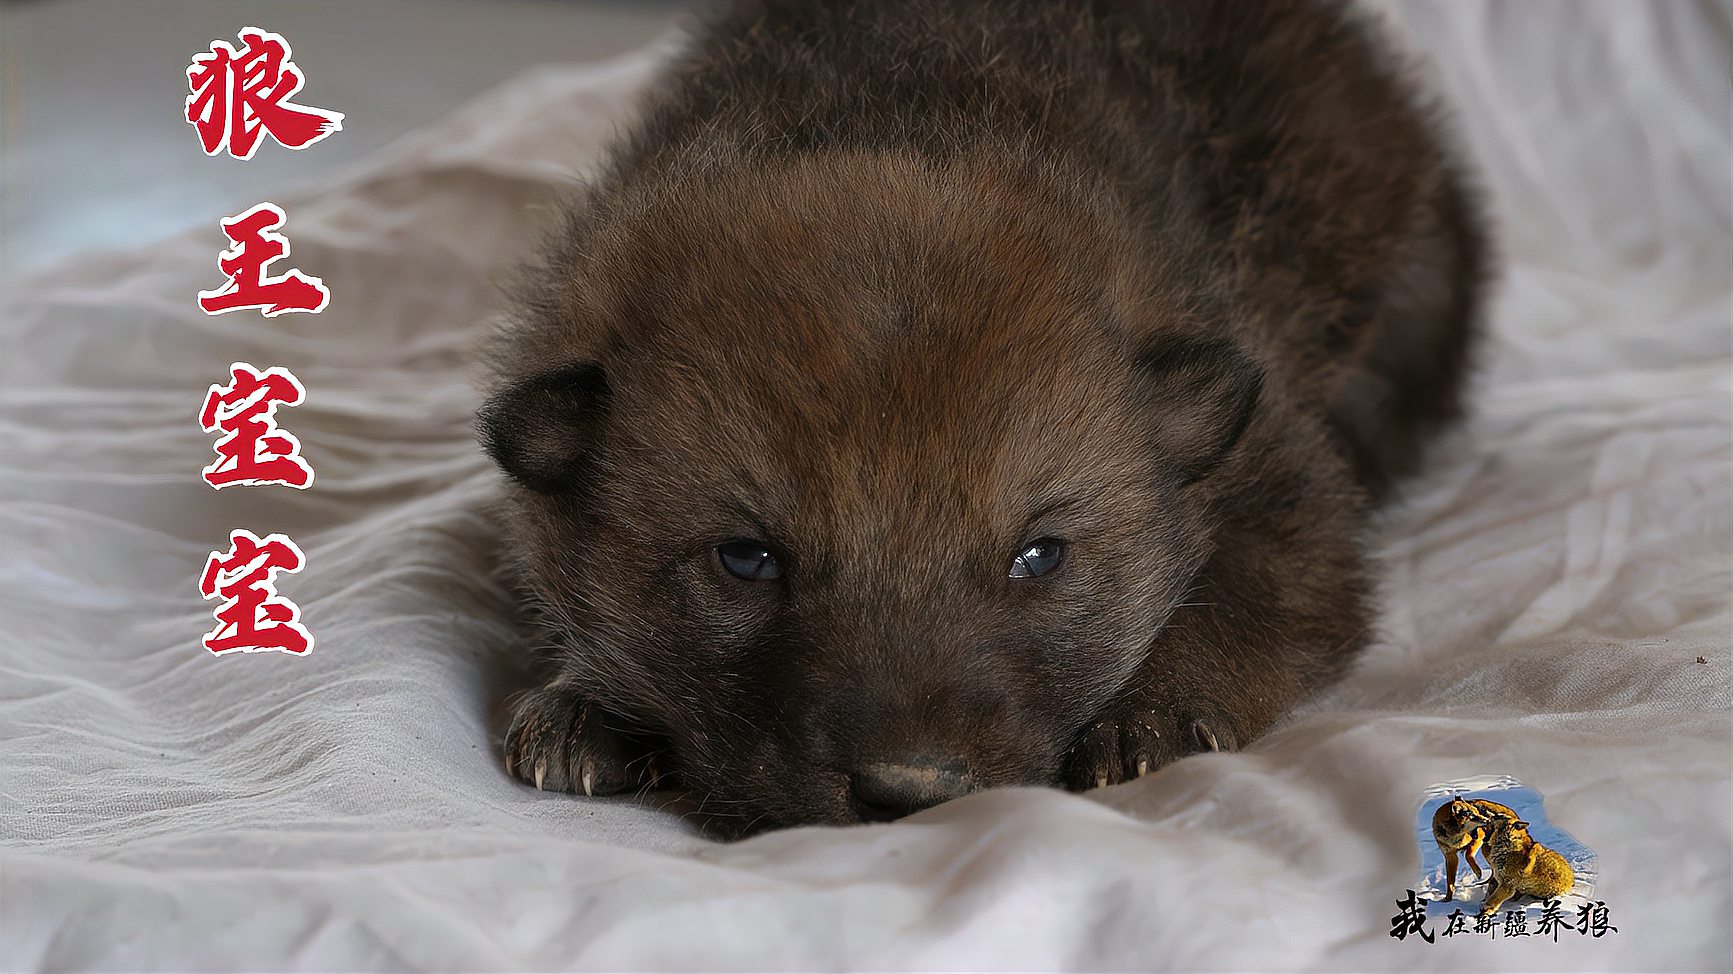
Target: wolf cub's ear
[541,430]
[1202,394]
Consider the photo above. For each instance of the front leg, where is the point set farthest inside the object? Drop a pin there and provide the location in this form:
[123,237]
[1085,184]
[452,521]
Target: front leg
[1474,847]
[1528,863]
[1495,896]
[1142,732]
[1450,873]
[559,741]
[1267,623]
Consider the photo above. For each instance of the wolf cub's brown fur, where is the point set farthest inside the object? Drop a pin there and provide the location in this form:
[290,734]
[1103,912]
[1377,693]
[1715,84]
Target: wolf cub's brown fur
[1460,826]
[1522,865]
[934,395]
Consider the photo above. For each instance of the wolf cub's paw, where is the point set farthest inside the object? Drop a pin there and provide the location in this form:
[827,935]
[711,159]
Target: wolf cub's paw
[558,742]
[1138,739]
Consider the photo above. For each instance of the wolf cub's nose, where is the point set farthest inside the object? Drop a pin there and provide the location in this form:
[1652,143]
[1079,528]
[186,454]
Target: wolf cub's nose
[886,791]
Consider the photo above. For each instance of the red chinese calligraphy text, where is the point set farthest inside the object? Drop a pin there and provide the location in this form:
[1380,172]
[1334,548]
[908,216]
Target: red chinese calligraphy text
[252,617]
[249,286]
[238,96]
[253,450]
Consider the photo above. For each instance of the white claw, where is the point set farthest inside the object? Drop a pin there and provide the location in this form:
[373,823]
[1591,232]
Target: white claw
[588,775]
[1101,780]
[1142,767]
[541,771]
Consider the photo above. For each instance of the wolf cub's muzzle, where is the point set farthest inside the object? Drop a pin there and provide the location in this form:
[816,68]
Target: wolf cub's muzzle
[883,791]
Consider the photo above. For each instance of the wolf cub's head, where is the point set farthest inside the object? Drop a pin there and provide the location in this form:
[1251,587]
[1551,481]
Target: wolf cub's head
[865,483]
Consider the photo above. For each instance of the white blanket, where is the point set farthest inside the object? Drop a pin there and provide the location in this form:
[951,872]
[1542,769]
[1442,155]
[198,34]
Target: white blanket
[1550,585]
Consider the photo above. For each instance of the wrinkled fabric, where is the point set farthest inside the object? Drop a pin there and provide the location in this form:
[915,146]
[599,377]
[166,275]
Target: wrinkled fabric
[1549,586]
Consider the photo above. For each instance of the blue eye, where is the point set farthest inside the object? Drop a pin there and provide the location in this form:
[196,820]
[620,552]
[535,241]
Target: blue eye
[1040,557]
[747,560]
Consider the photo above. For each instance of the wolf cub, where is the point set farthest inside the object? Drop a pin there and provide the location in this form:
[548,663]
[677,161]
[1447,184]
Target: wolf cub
[932,396]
